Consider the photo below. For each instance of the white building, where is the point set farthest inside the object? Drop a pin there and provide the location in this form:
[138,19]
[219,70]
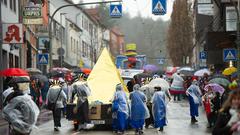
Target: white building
[81,36]
[10,14]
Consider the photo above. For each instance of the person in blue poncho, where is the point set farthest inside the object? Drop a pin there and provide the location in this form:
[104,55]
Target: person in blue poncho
[120,111]
[194,96]
[159,108]
[139,109]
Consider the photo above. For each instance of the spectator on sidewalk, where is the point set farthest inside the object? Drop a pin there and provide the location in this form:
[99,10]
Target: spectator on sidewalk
[20,111]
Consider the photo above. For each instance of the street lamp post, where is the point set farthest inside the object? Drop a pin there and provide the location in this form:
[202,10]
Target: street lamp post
[52,17]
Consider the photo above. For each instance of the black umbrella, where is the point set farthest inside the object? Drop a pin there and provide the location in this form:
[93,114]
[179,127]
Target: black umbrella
[187,72]
[41,78]
[55,74]
[159,72]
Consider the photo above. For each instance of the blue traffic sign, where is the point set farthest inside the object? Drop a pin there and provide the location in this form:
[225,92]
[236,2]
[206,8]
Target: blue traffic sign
[43,58]
[116,11]
[161,61]
[203,55]
[229,54]
[159,7]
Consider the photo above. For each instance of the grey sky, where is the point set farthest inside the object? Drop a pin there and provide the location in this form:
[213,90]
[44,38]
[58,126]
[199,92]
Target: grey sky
[143,6]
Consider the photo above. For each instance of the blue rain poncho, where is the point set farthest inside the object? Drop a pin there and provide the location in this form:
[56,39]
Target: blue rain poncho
[22,113]
[139,109]
[194,96]
[159,109]
[120,109]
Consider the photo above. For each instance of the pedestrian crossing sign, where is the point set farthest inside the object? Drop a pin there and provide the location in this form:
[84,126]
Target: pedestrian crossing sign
[43,58]
[229,55]
[116,11]
[159,7]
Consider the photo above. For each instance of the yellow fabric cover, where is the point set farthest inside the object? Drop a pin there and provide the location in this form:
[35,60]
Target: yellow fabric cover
[103,79]
[229,70]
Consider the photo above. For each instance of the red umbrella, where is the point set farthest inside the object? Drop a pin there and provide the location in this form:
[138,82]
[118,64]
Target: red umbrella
[14,72]
[86,70]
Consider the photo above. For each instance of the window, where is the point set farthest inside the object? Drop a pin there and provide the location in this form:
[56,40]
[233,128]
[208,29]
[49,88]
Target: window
[85,24]
[10,60]
[71,44]
[14,6]
[74,45]
[91,29]
[82,21]
[231,19]
[5,2]
[83,48]
[77,49]
[11,4]
[16,61]
[63,35]
[57,29]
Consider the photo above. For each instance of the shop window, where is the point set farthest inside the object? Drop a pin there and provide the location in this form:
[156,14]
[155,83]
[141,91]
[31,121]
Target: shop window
[14,6]
[11,60]
[5,2]
[16,61]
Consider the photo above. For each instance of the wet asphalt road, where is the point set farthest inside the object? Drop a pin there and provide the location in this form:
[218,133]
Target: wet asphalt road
[178,124]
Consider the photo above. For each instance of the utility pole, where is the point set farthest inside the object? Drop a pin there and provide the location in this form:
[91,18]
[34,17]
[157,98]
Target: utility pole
[52,18]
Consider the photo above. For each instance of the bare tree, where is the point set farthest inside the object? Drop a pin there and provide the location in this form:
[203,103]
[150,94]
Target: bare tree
[180,34]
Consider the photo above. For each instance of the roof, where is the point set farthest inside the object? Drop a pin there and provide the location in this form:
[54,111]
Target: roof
[83,10]
[117,31]
[94,14]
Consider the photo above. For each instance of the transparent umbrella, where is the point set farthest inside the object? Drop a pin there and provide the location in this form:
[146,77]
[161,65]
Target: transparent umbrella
[159,82]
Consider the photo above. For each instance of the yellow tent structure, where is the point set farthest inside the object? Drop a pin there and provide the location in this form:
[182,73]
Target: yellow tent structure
[103,79]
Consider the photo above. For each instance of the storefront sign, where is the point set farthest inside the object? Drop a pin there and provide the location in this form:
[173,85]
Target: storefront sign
[205,9]
[12,33]
[204,1]
[32,15]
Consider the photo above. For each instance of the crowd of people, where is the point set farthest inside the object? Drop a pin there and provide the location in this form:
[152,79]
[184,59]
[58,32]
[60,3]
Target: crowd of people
[145,105]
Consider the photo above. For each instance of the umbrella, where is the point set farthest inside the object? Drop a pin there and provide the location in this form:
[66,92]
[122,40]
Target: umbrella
[187,71]
[229,71]
[42,78]
[34,71]
[14,72]
[159,82]
[86,70]
[55,74]
[215,87]
[64,70]
[201,72]
[150,67]
[222,81]
[158,72]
